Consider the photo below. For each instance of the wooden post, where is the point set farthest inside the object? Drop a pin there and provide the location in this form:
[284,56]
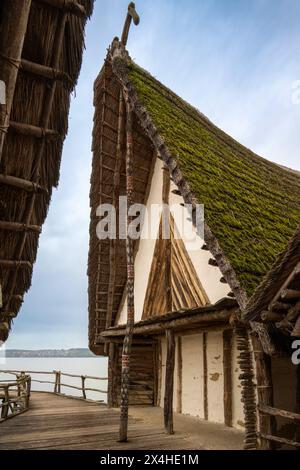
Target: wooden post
[166,232]
[267,423]
[179,375]
[227,371]
[5,408]
[83,387]
[159,373]
[297,434]
[111,374]
[169,382]
[248,387]
[125,380]
[205,392]
[14,22]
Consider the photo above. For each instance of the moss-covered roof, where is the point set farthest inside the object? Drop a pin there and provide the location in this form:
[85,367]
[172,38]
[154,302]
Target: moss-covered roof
[252,205]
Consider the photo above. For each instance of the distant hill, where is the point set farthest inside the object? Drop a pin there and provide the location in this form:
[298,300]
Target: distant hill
[75,352]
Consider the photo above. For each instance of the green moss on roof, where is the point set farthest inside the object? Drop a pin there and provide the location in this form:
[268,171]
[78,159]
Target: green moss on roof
[252,205]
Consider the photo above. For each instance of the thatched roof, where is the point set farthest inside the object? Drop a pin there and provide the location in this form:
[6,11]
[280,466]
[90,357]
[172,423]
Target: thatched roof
[47,72]
[252,206]
[277,277]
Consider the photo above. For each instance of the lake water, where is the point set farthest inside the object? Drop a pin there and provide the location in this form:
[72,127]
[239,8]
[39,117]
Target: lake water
[80,366]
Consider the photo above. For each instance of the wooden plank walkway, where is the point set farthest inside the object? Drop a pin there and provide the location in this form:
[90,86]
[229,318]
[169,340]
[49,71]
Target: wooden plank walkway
[55,422]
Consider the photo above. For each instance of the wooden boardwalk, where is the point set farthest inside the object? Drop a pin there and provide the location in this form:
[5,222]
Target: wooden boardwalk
[55,422]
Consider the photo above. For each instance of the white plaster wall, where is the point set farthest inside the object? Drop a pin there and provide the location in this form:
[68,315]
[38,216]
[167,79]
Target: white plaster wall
[215,379]
[237,405]
[209,275]
[192,375]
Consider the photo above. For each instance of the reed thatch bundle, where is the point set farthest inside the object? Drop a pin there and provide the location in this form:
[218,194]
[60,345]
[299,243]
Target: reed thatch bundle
[30,160]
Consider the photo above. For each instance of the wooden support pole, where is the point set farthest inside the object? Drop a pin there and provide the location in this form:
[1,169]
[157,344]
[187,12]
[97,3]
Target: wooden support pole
[205,376]
[111,374]
[169,382]
[115,203]
[14,22]
[83,387]
[179,375]
[125,380]
[267,423]
[248,387]
[166,226]
[227,371]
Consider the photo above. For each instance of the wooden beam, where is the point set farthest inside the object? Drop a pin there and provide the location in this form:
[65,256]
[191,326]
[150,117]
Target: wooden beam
[45,72]
[268,316]
[159,327]
[290,294]
[21,183]
[179,375]
[279,440]
[169,382]
[205,376]
[7,263]
[288,280]
[267,424]
[14,22]
[32,131]
[272,411]
[17,227]
[227,371]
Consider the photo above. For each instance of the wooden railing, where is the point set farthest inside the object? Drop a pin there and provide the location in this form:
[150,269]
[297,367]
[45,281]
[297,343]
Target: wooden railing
[276,412]
[58,383]
[14,396]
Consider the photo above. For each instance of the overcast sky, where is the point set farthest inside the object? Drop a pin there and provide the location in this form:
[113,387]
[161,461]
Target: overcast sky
[235,60]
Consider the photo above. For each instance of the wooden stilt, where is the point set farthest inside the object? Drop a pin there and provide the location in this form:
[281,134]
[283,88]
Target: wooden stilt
[130,285]
[267,423]
[14,22]
[169,382]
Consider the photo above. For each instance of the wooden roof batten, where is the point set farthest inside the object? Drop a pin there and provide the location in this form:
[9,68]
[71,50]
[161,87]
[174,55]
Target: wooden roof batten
[16,21]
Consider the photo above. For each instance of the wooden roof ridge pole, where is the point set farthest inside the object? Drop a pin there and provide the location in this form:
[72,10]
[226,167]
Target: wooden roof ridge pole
[125,379]
[116,194]
[44,122]
[131,15]
[13,30]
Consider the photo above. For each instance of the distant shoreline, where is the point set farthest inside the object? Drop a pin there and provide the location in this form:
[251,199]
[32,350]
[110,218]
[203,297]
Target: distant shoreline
[63,353]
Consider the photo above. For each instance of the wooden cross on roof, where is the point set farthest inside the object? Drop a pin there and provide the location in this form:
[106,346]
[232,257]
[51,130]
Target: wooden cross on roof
[131,15]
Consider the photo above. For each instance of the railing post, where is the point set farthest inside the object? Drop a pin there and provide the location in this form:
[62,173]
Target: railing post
[57,385]
[83,386]
[5,408]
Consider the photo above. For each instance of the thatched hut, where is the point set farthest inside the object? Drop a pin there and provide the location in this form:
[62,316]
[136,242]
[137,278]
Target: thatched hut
[190,351]
[41,45]
[274,315]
